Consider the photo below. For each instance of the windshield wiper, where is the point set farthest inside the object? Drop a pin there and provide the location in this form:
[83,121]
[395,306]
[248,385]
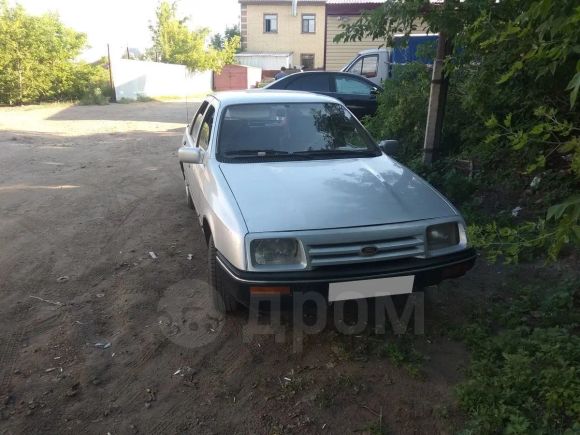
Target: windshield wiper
[256,153]
[322,153]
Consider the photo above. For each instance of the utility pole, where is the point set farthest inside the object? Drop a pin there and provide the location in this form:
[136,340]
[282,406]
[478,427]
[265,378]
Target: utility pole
[437,100]
[114,97]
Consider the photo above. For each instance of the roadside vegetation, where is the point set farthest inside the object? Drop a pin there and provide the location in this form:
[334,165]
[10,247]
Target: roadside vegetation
[511,113]
[510,159]
[38,61]
[39,55]
[174,42]
[525,371]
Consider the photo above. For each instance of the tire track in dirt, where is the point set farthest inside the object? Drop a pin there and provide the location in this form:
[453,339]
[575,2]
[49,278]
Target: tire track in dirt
[8,356]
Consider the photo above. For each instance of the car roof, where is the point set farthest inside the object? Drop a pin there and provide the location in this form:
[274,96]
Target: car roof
[372,51]
[309,73]
[252,96]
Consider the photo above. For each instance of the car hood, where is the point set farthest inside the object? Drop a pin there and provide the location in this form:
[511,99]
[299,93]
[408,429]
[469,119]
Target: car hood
[332,193]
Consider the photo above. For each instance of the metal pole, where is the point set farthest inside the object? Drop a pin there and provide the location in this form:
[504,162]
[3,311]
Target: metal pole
[114,97]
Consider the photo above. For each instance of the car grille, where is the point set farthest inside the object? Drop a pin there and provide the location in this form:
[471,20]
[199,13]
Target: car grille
[349,253]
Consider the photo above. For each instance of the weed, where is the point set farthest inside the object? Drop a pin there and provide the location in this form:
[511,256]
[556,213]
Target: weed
[95,97]
[525,372]
[142,98]
[345,381]
[402,353]
[400,350]
[325,398]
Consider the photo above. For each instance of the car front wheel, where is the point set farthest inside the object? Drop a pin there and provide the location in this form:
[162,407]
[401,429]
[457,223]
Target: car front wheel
[223,301]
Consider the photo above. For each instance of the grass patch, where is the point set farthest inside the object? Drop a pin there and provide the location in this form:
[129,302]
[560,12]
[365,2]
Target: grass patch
[525,371]
[94,98]
[325,398]
[400,350]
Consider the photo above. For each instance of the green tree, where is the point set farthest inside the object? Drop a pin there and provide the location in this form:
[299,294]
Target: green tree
[512,108]
[217,41]
[37,56]
[232,31]
[174,42]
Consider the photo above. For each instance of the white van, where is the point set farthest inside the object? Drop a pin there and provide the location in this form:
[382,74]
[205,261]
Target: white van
[375,63]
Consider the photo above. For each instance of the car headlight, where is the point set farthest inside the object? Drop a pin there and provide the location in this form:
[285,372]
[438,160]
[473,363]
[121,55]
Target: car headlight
[276,251]
[442,236]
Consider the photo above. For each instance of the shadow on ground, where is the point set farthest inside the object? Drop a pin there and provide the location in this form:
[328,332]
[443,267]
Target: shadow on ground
[155,111]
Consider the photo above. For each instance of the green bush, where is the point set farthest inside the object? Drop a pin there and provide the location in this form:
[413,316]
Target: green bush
[511,110]
[37,61]
[402,109]
[525,378]
[95,97]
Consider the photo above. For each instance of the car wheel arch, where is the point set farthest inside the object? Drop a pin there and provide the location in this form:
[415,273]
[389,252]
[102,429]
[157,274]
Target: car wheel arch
[206,228]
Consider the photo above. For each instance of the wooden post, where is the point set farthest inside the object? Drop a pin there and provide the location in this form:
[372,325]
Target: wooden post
[114,97]
[437,100]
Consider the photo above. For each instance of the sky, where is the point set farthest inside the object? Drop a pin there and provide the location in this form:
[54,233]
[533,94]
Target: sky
[123,23]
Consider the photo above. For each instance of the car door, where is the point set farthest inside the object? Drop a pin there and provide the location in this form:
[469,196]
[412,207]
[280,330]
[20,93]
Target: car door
[190,140]
[366,66]
[357,94]
[317,82]
[198,171]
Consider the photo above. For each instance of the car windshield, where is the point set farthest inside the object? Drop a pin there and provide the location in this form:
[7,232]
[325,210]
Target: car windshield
[292,131]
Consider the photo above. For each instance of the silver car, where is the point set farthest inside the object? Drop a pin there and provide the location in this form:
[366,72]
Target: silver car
[292,193]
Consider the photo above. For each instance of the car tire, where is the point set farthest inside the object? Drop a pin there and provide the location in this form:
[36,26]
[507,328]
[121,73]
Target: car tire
[189,200]
[223,301]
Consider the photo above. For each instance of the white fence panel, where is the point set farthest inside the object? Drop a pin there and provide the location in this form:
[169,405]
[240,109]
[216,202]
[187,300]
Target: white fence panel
[133,78]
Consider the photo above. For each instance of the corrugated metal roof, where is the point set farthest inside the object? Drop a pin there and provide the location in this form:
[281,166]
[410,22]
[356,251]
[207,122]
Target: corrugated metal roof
[352,2]
[263,53]
[330,2]
[281,1]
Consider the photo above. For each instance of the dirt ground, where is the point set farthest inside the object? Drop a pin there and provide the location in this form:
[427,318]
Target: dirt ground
[89,338]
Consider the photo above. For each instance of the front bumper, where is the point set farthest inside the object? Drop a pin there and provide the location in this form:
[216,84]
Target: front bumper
[427,271]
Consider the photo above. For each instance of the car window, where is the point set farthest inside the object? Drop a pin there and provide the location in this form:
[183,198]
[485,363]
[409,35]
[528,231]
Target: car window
[206,127]
[196,122]
[370,66]
[356,67]
[291,130]
[310,82]
[351,85]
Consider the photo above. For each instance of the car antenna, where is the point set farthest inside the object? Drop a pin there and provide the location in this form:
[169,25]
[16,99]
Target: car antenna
[186,107]
[186,110]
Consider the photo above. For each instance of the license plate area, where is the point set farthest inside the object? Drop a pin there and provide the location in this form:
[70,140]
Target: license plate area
[370,288]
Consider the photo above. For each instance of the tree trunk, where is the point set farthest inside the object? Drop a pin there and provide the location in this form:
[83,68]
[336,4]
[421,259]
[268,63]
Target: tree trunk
[437,101]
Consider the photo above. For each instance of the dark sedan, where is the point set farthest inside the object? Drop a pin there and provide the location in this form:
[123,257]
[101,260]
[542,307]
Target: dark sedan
[356,92]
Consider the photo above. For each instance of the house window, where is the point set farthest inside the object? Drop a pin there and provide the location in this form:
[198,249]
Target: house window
[308,23]
[307,61]
[270,23]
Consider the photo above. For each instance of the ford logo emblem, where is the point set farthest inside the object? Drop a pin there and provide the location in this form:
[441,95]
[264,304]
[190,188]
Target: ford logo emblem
[368,251]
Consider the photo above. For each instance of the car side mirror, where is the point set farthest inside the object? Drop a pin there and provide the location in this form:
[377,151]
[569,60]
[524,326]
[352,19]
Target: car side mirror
[375,91]
[389,146]
[189,155]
